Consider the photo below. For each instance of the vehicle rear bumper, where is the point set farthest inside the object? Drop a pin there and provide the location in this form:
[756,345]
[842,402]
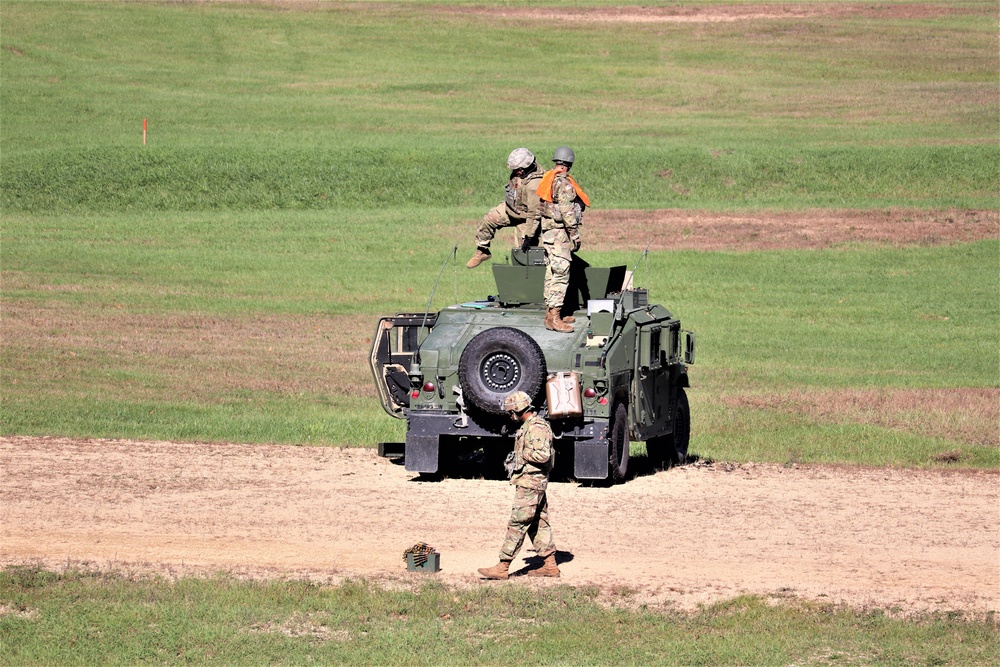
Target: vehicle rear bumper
[423,444]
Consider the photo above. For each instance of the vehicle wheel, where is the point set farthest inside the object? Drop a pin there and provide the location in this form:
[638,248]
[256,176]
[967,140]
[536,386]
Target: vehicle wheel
[618,442]
[656,450]
[495,363]
[672,448]
[678,450]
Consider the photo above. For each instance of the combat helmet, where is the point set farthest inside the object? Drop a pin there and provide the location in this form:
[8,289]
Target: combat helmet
[517,401]
[520,158]
[564,154]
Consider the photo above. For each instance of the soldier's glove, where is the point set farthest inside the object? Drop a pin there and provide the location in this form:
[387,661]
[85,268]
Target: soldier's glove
[575,238]
[510,465]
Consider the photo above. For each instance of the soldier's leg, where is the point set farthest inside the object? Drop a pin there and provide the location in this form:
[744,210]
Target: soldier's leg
[541,531]
[494,220]
[522,514]
[541,538]
[559,255]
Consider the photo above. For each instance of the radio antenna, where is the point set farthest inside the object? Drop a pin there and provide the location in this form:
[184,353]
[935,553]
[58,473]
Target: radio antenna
[645,253]
[423,323]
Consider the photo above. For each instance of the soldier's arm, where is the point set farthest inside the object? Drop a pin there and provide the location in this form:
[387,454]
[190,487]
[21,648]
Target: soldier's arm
[538,447]
[565,197]
[533,218]
[563,193]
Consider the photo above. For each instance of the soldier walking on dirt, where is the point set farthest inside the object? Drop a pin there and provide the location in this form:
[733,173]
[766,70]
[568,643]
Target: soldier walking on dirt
[562,204]
[528,468]
[520,207]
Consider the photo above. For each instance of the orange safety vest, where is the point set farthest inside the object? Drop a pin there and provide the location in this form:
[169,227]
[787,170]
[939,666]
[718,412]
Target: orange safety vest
[545,187]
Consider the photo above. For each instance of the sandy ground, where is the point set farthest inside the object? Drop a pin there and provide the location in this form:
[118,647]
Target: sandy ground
[902,540]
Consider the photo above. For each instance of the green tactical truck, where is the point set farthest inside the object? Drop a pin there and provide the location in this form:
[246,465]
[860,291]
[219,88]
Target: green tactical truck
[619,376]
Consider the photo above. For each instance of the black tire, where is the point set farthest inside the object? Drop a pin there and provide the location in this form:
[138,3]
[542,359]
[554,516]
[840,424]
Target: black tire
[618,442]
[495,363]
[656,450]
[678,450]
[672,449]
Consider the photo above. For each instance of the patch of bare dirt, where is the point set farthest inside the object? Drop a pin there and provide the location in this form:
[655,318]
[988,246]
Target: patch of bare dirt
[676,229]
[904,540]
[17,611]
[713,13]
[968,415]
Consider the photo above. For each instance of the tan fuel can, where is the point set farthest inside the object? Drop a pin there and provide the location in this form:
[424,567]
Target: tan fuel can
[562,391]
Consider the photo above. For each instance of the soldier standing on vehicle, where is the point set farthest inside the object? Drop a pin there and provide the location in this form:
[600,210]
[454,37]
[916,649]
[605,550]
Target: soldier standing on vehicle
[519,208]
[528,468]
[563,202]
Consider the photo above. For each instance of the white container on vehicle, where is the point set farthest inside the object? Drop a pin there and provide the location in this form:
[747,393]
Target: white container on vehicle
[562,392]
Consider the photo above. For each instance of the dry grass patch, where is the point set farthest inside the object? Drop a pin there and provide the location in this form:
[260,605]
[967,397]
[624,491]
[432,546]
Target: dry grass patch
[17,611]
[676,229]
[302,625]
[714,14]
[968,415]
[637,13]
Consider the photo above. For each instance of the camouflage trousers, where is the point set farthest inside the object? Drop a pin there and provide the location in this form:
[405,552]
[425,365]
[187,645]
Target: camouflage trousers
[529,516]
[495,220]
[558,257]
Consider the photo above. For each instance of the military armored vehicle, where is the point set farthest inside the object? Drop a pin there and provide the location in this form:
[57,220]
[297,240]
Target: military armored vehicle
[620,375]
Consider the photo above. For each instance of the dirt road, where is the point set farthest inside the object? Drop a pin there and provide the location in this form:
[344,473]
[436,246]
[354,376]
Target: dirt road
[905,539]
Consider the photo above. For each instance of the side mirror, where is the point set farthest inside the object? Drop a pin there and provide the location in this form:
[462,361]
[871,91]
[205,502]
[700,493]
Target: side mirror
[689,347]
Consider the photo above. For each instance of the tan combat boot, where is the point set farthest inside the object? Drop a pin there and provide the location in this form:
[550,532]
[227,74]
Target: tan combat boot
[548,569]
[569,319]
[554,323]
[481,256]
[498,571]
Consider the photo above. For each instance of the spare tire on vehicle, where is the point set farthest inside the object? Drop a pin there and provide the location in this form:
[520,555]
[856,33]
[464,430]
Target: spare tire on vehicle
[495,363]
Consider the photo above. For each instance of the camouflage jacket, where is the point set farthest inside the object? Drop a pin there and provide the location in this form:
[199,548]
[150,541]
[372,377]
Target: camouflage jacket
[521,197]
[565,207]
[533,453]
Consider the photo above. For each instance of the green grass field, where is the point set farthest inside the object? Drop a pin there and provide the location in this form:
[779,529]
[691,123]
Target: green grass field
[310,167]
[124,300]
[315,164]
[254,107]
[73,618]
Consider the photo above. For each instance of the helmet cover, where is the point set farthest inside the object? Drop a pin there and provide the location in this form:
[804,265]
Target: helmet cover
[520,158]
[517,401]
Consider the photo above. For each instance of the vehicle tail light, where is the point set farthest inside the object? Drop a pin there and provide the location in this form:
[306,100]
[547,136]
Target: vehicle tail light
[589,392]
[429,386]
[415,393]
[603,400]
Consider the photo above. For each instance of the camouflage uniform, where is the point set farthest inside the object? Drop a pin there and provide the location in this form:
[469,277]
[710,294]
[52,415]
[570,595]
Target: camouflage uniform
[561,219]
[533,459]
[520,208]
